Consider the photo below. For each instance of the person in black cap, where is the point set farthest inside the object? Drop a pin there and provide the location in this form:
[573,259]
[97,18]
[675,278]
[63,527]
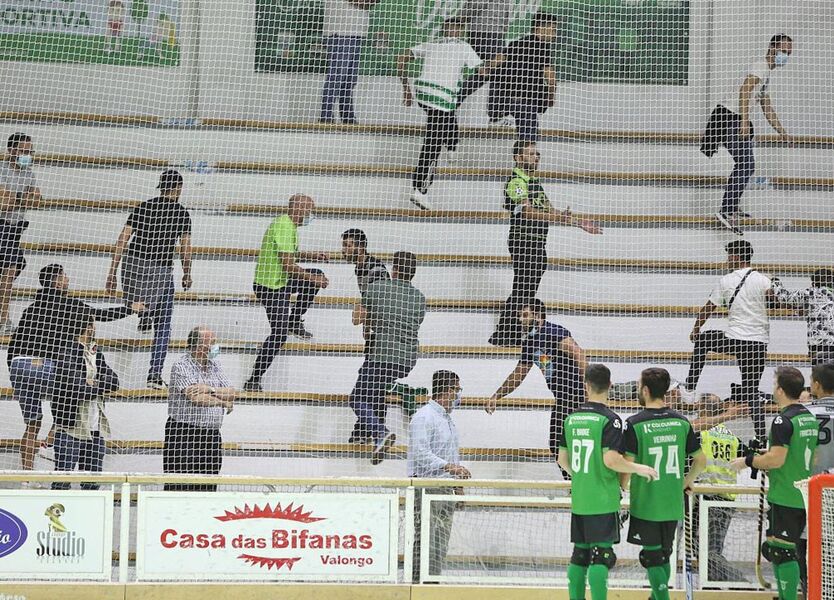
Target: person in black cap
[47,328]
[746,294]
[148,243]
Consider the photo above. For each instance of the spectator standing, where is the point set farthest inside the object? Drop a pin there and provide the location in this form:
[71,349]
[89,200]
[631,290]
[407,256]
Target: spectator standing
[278,277]
[745,293]
[445,62]
[729,126]
[394,310]
[155,231]
[18,191]
[817,302]
[47,328]
[525,82]
[345,28]
[531,215]
[199,397]
[559,358]
[82,379]
[487,22]
[434,452]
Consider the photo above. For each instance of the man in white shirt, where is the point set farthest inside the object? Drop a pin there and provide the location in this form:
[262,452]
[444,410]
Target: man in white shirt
[445,64]
[745,293]
[345,27]
[730,126]
[433,451]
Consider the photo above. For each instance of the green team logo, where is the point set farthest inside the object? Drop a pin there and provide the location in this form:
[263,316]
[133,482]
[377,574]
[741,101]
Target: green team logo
[430,14]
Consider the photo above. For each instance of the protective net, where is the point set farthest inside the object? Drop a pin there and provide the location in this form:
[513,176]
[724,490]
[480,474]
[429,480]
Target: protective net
[827,546]
[433,138]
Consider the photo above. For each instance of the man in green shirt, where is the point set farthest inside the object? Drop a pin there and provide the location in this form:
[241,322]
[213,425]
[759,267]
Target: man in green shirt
[589,453]
[531,216]
[277,277]
[790,458]
[394,310]
[664,439]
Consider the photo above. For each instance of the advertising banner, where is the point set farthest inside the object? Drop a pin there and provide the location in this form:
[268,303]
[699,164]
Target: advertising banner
[120,32]
[267,537]
[56,534]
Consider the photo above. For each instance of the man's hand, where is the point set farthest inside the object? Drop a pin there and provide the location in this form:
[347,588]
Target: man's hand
[645,471]
[693,335]
[458,471]
[319,281]
[738,464]
[321,256]
[186,282]
[491,404]
[408,97]
[744,130]
[588,226]
[110,284]
[138,307]
[228,405]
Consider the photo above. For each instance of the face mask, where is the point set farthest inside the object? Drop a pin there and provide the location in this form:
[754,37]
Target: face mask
[24,161]
[533,331]
[781,59]
[458,399]
[307,220]
[214,352]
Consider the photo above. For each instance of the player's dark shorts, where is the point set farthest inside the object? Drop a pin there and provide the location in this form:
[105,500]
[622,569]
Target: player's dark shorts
[786,523]
[651,533]
[595,529]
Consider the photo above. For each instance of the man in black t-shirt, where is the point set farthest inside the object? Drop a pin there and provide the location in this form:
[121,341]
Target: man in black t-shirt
[148,243]
[525,83]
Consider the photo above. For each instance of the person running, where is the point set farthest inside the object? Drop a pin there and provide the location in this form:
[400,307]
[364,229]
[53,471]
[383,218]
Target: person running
[664,439]
[792,443]
[589,453]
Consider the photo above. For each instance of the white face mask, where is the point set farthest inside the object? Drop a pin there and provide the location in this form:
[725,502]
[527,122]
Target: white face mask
[214,352]
[781,59]
[24,161]
[307,220]
[458,399]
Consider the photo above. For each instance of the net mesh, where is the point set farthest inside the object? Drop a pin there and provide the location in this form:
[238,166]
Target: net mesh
[827,546]
[248,104]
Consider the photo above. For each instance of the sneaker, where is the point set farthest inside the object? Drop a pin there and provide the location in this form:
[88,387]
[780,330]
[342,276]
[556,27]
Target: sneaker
[252,385]
[501,122]
[299,331]
[729,222]
[382,448]
[155,382]
[7,327]
[145,323]
[47,452]
[419,199]
[687,396]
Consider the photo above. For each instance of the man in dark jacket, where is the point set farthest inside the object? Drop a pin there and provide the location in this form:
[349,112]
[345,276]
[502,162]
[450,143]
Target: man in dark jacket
[48,326]
[82,378]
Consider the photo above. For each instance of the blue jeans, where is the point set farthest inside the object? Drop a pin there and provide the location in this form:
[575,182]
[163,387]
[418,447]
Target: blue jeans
[162,314]
[32,379]
[368,397]
[745,164]
[343,54]
[87,455]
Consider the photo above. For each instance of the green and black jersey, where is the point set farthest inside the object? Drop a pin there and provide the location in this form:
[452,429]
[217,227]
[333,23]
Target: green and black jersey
[663,439]
[798,430]
[521,188]
[588,433]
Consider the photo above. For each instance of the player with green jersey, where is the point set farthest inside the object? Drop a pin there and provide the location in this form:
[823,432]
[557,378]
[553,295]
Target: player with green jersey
[790,457]
[588,451]
[662,438]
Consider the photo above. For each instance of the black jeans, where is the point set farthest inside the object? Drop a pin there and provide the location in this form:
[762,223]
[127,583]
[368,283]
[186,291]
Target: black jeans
[529,260]
[193,450]
[751,358]
[282,314]
[368,397]
[486,45]
[723,129]
[441,130]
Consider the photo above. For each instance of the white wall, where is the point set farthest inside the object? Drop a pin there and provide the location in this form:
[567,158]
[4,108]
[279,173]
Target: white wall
[229,87]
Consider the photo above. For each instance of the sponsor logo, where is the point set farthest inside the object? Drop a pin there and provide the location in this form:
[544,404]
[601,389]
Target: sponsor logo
[58,543]
[11,597]
[13,533]
[343,549]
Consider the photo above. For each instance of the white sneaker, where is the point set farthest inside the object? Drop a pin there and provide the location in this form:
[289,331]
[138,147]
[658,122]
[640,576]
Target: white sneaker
[729,222]
[687,396]
[419,199]
[47,453]
[502,122]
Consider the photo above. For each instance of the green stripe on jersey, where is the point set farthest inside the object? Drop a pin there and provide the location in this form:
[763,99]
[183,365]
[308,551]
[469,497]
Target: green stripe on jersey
[435,101]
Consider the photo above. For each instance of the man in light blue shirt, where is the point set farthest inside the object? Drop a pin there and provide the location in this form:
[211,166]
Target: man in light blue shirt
[433,451]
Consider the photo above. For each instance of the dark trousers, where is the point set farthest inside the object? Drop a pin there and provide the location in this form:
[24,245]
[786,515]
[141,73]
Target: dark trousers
[343,54]
[564,405]
[440,530]
[441,130]
[529,260]
[820,355]
[282,314]
[750,357]
[87,455]
[526,121]
[723,130]
[368,397]
[192,450]
[486,45]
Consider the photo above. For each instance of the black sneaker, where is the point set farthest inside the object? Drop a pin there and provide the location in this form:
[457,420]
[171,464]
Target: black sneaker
[382,448]
[252,385]
[155,382]
[299,331]
[145,323]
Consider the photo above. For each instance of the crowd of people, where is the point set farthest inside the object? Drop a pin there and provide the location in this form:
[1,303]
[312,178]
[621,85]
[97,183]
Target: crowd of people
[53,354]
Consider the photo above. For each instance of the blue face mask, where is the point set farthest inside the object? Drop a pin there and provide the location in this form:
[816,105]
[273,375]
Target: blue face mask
[458,399]
[214,352]
[24,161]
[781,59]
[533,331]
[307,220]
